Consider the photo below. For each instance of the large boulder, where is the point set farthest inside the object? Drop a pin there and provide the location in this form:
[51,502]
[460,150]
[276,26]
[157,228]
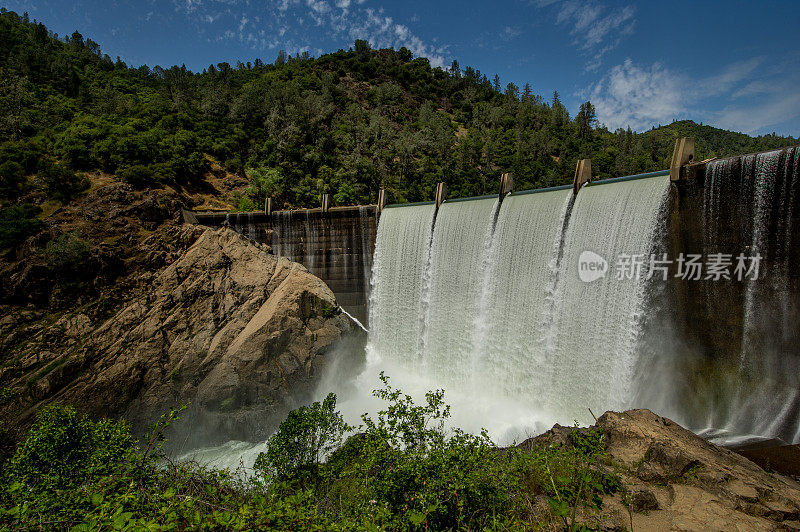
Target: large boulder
[676,480]
[227,326]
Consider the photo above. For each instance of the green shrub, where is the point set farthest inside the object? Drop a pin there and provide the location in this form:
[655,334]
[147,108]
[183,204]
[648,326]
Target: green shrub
[64,448]
[138,176]
[420,474]
[12,178]
[244,203]
[402,470]
[61,183]
[307,436]
[68,256]
[17,223]
[25,152]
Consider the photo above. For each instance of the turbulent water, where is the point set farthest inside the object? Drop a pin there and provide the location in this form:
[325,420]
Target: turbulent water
[597,323]
[401,283]
[724,358]
[495,313]
[457,265]
[765,398]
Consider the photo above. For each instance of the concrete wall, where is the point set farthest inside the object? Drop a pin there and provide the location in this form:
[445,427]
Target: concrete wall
[336,246]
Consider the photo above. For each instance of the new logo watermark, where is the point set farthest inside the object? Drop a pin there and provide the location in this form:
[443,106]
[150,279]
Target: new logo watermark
[591,266]
[689,266]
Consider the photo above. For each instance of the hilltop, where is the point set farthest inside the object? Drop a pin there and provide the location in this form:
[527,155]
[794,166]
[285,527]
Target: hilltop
[344,123]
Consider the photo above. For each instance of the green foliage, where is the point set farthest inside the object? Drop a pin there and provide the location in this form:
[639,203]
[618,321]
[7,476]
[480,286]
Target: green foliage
[12,178]
[244,203]
[138,176]
[61,183]
[68,256]
[17,223]
[265,182]
[402,470]
[344,123]
[64,448]
[307,436]
[329,311]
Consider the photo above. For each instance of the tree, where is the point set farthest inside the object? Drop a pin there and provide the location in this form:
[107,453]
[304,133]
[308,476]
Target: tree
[265,182]
[12,177]
[455,70]
[496,83]
[585,120]
[61,183]
[303,440]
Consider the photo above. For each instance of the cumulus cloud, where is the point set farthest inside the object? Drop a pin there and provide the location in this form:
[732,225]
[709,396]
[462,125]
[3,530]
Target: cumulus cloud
[283,24]
[638,97]
[645,96]
[595,28]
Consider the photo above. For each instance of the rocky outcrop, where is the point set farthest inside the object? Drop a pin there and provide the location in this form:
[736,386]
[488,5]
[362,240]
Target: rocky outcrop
[226,326]
[676,480]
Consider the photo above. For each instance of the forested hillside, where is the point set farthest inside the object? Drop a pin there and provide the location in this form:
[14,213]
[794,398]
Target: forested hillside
[294,127]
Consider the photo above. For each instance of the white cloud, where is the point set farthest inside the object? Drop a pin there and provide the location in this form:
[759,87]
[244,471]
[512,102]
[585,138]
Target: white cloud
[760,117]
[730,76]
[595,28]
[644,96]
[638,97]
[281,24]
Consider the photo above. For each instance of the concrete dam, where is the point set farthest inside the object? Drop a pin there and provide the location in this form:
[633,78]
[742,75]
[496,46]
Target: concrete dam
[677,291]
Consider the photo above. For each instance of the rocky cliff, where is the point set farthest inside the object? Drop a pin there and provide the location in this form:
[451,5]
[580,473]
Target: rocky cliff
[225,325]
[675,480]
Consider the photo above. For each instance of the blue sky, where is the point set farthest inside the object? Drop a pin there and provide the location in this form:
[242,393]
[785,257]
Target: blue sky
[730,64]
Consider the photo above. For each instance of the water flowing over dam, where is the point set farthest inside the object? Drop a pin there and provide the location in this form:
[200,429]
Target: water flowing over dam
[506,311]
[488,300]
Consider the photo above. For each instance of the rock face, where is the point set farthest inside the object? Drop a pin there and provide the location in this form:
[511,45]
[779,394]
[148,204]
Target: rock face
[679,481]
[227,326]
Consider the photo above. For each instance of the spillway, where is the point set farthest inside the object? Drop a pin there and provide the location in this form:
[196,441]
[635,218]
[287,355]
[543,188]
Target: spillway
[400,280]
[513,326]
[495,309]
[489,300]
[764,398]
[461,241]
[596,324]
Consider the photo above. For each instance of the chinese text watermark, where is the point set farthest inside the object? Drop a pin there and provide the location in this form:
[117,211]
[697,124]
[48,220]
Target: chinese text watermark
[688,266]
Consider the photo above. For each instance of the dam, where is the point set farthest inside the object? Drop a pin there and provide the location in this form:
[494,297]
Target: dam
[681,295]
[336,244]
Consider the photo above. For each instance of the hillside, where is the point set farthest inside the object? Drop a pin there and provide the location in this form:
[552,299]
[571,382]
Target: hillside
[344,123]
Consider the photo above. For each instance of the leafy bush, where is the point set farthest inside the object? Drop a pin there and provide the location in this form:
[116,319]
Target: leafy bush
[68,256]
[63,449]
[138,176]
[244,203]
[401,470]
[303,440]
[12,177]
[419,474]
[25,152]
[61,183]
[17,223]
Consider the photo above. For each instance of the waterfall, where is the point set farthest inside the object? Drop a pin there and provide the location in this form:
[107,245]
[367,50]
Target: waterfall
[397,301]
[596,324]
[512,329]
[506,321]
[365,215]
[456,268]
[768,392]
